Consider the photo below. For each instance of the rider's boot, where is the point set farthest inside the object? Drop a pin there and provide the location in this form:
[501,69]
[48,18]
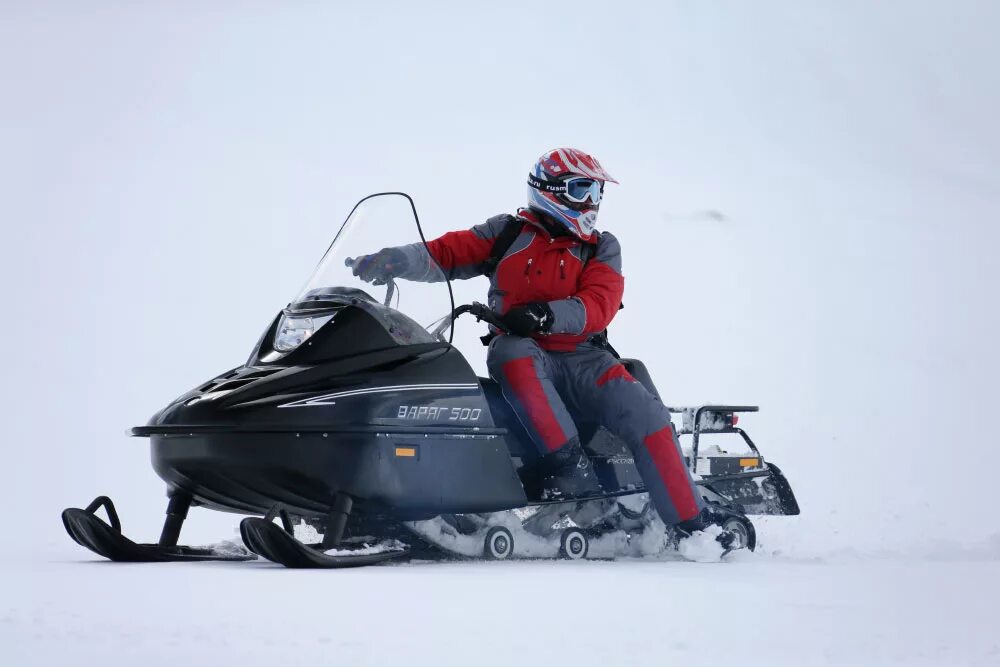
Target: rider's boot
[568,473]
[735,527]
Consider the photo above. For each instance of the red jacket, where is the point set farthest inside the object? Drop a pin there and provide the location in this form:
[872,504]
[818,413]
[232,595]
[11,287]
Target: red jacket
[538,267]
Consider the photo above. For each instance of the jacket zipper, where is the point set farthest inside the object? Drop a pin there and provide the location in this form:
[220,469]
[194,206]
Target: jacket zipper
[562,267]
[527,268]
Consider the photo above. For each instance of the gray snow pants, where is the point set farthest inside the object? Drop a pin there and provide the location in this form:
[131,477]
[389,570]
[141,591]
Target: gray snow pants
[546,388]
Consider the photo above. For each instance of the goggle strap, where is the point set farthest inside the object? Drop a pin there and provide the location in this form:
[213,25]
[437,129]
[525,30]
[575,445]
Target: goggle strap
[548,186]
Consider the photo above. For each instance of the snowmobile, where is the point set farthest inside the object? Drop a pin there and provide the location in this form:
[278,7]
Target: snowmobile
[353,421]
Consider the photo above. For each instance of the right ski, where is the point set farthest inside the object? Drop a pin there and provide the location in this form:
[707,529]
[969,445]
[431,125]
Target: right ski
[266,538]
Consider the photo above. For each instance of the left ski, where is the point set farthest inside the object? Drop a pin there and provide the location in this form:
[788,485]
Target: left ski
[106,540]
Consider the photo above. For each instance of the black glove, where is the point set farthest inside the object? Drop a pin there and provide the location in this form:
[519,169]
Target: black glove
[380,267]
[530,318]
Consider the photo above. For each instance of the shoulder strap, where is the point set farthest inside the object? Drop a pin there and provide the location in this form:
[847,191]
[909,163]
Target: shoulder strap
[588,250]
[502,243]
[513,226]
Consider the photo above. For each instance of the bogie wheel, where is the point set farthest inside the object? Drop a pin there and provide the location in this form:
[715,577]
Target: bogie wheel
[746,536]
[499,543]
[573,545]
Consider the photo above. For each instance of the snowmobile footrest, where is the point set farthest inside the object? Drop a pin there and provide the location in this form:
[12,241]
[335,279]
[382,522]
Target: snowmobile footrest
[106,540]
[271,541]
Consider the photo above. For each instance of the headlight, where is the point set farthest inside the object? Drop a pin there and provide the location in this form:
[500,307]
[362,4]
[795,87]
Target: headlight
[293,331]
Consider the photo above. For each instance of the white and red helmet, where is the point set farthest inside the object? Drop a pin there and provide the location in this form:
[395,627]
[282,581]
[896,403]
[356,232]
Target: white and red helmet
[567,185]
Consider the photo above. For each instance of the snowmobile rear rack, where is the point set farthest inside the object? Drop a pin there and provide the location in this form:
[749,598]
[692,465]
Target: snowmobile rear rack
[732,483]
[712,419]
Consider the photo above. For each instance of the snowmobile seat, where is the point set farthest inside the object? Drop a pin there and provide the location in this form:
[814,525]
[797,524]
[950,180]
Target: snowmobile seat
[638,370]
[518,441]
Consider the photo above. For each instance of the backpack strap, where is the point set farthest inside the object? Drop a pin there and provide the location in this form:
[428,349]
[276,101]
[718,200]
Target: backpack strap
[513,226]
[502,243]
[588,250]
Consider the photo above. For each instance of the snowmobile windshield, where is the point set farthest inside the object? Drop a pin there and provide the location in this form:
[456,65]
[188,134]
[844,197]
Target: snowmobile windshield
[378,261]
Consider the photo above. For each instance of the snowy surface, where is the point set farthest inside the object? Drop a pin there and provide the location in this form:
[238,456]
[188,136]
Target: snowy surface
[934,608]
[808,210]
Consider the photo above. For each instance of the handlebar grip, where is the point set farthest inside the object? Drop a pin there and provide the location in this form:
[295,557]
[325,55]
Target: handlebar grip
[488,315]
[481,313]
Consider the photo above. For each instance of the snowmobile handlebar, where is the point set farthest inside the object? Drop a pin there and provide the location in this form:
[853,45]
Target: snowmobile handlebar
[482,313]
[390,290]
[389,282]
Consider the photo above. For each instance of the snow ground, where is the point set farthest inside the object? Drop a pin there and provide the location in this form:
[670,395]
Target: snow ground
[756,609]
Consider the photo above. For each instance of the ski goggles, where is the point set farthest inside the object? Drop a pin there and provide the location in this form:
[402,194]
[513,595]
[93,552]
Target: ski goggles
[577,190]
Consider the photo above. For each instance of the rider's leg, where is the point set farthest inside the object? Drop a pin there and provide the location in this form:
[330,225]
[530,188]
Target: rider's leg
[597,384]
[527,379]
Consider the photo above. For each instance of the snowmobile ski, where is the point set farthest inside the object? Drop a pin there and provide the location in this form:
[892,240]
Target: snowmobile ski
[274,543]
[88,530]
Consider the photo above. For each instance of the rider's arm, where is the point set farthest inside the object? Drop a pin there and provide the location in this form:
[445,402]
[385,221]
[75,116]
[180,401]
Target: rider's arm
[599,296]
[461,254]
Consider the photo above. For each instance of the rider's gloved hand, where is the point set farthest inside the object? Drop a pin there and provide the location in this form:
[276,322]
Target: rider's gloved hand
[378,268]
[531,318]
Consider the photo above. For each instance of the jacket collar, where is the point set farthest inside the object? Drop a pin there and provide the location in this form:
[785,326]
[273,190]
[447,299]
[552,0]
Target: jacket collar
[536,219]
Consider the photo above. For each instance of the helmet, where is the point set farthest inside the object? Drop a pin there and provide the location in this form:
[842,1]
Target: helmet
[567,185]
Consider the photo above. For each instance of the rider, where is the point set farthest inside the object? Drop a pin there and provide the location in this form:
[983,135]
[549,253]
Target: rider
[557,287]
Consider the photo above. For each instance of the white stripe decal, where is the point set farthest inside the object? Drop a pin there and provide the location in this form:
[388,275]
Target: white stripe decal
[403,387]
[328,398]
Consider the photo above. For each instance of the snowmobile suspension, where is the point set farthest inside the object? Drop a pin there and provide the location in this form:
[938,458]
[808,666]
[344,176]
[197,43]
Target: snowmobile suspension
[177,510]
[339,513]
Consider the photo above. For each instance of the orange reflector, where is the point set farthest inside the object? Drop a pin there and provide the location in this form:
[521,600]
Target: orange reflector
[736,420]
[406,451]
[744,463]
